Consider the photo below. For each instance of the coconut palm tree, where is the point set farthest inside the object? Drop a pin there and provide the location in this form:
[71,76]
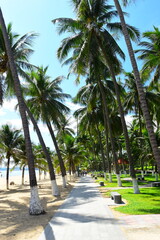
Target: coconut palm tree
[144,106]
[9,140]
[35,204]
[55,190]
[72,154]
[20,47]
[45,102]
[92,33]
[92,113]
[64,128]
[150,54]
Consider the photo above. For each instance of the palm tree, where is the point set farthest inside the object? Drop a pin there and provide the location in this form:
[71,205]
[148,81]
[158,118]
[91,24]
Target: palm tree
[21,51]
[92,114]
[35,205]
[141,93]
[72,154]
[150,54]
[93,35]
[55,190]
[20,47]
[9,141]
[45,103]
[64,129]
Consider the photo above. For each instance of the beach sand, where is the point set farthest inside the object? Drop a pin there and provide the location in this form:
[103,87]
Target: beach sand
[16,223]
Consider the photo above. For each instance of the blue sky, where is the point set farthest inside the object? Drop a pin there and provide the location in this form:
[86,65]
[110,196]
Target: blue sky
[36,15]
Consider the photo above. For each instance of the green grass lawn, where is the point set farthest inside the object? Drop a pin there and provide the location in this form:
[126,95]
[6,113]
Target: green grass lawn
[125,183]
[147,202]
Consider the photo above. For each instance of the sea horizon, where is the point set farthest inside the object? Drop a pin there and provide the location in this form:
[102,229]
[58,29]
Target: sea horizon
[12,173]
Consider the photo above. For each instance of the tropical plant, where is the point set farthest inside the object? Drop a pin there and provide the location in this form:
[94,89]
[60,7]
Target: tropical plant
[92,35]
[150,54]
[35,204]
[45,103]
[21,51]
[10,139]
[72,153]
[145,110]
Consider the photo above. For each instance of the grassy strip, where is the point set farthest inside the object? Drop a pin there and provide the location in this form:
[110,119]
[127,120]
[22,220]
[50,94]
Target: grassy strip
[147,202]
[125,183]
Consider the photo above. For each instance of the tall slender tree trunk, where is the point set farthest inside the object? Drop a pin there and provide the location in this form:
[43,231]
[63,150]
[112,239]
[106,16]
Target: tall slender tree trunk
[110,132]
[61,163]
[7,174]
[121,112]
[144,107]
[101,148]
[55,190]
[35,207]
[23,169]
[107,147]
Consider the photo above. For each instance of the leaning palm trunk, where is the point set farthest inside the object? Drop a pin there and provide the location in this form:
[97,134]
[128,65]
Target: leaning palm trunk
[35,207]
[141,93]
[107,149]
[61,163]
[110,132]
[55,190]
[7,175]
[101,149]
[23,169]
[121,112]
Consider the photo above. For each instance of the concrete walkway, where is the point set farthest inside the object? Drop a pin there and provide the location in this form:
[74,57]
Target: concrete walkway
[84,215]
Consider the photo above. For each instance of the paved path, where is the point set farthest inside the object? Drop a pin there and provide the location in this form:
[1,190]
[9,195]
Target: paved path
[83,216]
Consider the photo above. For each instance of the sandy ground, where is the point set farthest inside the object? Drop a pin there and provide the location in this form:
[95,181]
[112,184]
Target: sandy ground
[17,224]
[15,221]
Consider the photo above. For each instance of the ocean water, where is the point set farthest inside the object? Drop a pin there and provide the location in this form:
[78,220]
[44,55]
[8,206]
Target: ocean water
[16,172]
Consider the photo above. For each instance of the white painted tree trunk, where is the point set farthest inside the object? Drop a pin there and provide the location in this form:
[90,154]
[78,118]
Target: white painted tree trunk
[66,178]
[40,174]
[105,175]
[156,176]
[119,180]
[64,182]
[152,172]
[142,174]
[135,186]
[70,177]
[55,190]
[110,177]
[35,207]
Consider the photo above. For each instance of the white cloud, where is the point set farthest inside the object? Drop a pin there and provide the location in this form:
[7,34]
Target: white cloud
[9,105]
[73,106]
[16,123]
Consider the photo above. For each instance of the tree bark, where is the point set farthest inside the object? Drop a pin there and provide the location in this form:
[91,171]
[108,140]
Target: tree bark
[61,163]
[101,148]
[110,131]
[23,169]
[121,112]
[144,107]
[7,175]
[35,205]
[46,153]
